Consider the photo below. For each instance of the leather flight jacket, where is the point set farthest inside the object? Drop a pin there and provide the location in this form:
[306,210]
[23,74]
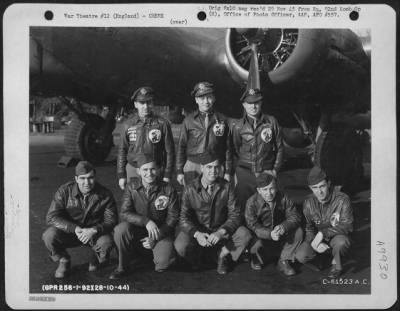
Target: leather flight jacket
[150,136]
[259,148]
[160,205]
[69,210]
[208,213]
[262,217]
[195,139]
[331,218]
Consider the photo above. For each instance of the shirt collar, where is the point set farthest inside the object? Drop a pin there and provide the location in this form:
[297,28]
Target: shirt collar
[75,192]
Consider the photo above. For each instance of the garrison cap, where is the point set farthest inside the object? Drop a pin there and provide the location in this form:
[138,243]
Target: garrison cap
[251,96]
[143,94]
[202,88]
[208,157]
[144,158]
[315,176]
[83,168]
[264,179]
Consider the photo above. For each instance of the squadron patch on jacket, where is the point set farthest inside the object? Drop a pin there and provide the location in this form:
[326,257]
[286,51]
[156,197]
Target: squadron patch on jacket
[316,220]
[335,219]
[161,202]
[219,129]
[132,133]
[266,134]
[155,136]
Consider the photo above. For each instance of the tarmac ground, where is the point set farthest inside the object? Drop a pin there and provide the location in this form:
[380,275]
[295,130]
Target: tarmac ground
[45,177]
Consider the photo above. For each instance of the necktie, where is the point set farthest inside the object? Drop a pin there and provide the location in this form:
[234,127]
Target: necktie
[255,123]
[210,189]
[206,119]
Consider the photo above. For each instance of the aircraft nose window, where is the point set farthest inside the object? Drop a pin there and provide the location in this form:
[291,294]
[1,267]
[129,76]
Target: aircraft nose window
[353,15]
[48,15]
[201,15]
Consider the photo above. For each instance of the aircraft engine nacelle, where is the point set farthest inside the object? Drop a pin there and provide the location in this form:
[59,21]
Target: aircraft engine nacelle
[282,53]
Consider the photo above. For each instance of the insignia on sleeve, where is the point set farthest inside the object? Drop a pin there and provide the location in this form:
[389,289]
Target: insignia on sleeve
[266,134]
[161,202]
[316,220]
[155,136]
[219,129]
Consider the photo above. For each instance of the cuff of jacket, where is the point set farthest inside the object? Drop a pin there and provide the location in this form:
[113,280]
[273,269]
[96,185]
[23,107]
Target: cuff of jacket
[264,233]
[71,227]
[167,174]
[145,220]
[179,171]
[229,230]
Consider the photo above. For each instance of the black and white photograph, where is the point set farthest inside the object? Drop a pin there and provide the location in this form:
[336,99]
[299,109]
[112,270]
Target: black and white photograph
[204,159]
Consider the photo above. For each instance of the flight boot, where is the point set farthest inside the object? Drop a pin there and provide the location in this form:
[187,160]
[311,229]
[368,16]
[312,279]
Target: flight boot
[64,267]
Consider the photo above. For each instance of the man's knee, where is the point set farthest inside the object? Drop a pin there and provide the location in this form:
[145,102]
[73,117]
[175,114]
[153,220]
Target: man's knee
[305,253]
[242,236]
[340,242]
[165,255]
[122,230]
[181,243]
[50,235]
[105,242]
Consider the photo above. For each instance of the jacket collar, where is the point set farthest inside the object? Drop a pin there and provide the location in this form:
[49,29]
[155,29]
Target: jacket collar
[261,202]
[249,120]
[137,184]
[136,119]
[198,185]
[197,113]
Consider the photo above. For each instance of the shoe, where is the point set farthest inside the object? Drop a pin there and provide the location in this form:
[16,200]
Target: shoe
[286,268]
[255,264]
[222,266]
[334,272]
[64,266]
[246,256]
[160,270]
[117,274]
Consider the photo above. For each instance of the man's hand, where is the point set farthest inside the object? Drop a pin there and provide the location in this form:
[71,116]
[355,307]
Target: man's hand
[148,243]
[86,234]
[181,179]
[271,172]
[317,240]
[317,243]
[227,177]
[202,239]
[216,236]
[275,235]
[321,248]
[152,229]
[122,183]
[78,232]
[166,179]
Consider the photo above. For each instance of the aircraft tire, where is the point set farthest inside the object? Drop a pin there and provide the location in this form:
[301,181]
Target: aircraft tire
[339,153]
[80,140]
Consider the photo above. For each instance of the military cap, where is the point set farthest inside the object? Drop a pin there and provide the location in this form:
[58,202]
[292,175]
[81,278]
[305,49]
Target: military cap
[202,88]
[264,179]
[143,94]
[251,96]
[83,168]
[316,175]
[144,158]
[208,157]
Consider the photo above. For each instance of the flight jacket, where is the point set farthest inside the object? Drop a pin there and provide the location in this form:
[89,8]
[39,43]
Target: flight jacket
[195,139]
[331,218]
[66,210]
[261,217]
[208,215]
[258,149]
[160,206]
[150,136]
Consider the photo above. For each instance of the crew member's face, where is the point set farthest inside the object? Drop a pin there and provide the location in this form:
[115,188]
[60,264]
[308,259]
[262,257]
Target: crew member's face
[253,109]
[211,171]
[86,182]
[205,102]
[321,190]
[268,192]
[149,172]
[144,108]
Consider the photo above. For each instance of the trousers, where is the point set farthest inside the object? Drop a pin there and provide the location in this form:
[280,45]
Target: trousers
[340,245]
[187,247]
[127,239]
[57,242]
[286,246]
